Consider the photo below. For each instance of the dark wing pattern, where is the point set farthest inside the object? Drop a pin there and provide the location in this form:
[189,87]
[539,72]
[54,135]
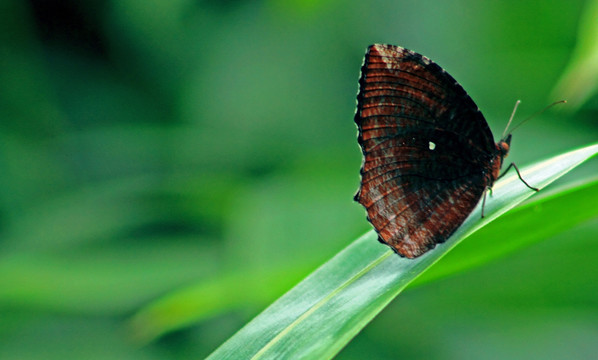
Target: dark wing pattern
[426,149]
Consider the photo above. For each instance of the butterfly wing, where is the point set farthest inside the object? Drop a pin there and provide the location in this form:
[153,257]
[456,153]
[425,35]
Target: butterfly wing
[426,149]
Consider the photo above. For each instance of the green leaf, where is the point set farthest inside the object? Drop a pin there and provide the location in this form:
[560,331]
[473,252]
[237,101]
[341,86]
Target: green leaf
[545,216]
[322,313]
[580,79]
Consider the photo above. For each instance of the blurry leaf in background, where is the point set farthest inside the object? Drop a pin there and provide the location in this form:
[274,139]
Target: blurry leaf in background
[580,80]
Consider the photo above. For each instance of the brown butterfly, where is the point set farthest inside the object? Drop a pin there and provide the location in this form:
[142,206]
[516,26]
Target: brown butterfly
[429,155]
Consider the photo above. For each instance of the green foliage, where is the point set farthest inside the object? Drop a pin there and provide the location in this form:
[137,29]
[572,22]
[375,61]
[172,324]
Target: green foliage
[580,80]
[322,313]
[169,168]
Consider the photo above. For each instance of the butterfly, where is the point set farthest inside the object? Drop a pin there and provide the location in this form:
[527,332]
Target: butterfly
[428,153]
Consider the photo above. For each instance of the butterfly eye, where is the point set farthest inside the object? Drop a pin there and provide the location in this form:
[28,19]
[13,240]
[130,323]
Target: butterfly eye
[431,145]
[504,148]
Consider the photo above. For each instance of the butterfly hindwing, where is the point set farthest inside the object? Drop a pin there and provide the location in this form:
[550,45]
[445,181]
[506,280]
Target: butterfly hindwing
[426,148]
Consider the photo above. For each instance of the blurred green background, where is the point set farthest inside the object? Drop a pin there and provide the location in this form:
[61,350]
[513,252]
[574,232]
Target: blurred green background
[206,151]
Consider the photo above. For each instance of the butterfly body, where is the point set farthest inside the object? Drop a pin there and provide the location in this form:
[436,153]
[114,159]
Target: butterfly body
[429,155]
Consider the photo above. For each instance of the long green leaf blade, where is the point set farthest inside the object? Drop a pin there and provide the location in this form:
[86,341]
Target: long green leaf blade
[322,313]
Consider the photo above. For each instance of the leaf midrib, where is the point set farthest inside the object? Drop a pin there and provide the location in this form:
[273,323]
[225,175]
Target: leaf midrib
[320,303]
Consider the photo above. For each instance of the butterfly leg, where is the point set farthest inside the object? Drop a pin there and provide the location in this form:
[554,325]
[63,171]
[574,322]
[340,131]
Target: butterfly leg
[484,200]
[512,165]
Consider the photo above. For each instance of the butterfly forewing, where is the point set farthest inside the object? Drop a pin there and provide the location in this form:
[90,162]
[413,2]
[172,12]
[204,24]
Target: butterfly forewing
[426,149]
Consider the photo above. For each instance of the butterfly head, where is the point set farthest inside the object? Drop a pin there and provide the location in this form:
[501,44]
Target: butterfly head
[503,146]
[502,150]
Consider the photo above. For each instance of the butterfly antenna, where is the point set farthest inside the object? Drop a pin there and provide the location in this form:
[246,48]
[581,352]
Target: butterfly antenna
[538,113]
[511,118]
